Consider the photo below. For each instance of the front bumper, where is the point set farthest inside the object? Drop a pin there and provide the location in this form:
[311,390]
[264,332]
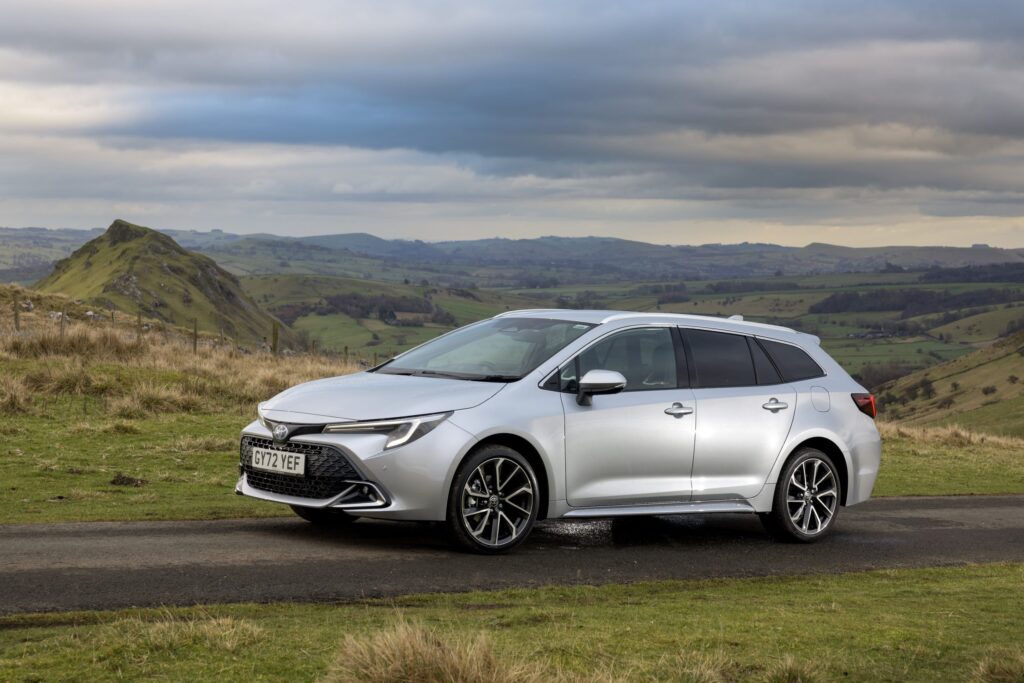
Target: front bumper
[410,482]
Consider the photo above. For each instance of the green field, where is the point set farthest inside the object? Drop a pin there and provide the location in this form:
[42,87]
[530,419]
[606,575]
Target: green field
[951,624]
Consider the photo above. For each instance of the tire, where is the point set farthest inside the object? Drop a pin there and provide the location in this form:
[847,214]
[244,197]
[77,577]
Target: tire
[497,486]
[805,515]
[324,517]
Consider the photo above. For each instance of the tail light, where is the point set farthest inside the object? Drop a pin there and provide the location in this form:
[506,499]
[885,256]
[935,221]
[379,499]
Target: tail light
[866,404]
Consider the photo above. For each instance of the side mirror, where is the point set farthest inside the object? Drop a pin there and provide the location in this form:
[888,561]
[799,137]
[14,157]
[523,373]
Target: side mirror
[597,382]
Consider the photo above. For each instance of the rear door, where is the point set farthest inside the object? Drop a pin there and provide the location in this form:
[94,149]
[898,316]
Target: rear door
[744,413]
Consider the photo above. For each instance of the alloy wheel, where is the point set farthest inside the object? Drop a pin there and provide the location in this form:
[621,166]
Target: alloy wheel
[497,502]
[812,496]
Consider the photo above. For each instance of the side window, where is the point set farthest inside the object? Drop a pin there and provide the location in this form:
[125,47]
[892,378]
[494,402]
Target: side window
[793,362]
[645,357]
[720,359]
[766,372]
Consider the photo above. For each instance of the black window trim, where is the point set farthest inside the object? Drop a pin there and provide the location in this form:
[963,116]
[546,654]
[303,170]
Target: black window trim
[757,378]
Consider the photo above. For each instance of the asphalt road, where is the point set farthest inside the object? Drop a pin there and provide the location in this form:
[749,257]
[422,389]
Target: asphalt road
[111,565]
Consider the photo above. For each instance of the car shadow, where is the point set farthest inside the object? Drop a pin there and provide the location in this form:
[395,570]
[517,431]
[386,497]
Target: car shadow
[668,531]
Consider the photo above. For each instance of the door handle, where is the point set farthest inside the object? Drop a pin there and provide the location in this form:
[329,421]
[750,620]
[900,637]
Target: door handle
[775,405]
[678,410]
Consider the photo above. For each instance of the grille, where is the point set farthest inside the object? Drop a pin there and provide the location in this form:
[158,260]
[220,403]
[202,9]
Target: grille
[327,470]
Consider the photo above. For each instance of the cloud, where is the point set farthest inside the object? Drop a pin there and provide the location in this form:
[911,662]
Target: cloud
[623,116]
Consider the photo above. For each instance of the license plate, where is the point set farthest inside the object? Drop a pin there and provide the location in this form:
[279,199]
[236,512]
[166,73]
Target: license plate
[282,462]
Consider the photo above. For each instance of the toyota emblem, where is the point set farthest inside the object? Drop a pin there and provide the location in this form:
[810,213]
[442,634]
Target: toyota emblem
[280,432]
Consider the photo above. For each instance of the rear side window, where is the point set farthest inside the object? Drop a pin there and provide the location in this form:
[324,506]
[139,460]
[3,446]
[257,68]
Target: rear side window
[792,362]
[766,372]
[720,359]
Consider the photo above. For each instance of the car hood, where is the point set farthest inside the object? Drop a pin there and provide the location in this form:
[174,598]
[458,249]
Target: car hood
[373,395]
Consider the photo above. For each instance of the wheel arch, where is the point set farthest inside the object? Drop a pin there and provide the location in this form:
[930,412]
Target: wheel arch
[828,446]
[522,446]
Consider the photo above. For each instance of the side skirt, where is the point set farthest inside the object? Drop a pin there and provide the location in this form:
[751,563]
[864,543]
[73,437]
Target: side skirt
[697,508]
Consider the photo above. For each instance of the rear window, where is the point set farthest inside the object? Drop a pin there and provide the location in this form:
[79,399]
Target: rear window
[720,359]
[792,362]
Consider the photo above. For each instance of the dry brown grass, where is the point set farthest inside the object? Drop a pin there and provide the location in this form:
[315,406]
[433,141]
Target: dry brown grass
[410,653]
[15,397]
[126,643]
[1005,666]
[951,435]
[80,341]
[788,670]
[156,373]
[704,667]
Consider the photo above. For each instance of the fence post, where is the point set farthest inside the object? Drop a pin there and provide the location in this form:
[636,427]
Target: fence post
[346,354]
[17,315]
[138,326]
[63,317]
[273,344]
[195,336]
[111,316]
[374,359]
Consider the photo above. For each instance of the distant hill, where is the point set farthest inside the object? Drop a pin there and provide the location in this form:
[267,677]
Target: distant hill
[983,390]
[500,262]
[136,269]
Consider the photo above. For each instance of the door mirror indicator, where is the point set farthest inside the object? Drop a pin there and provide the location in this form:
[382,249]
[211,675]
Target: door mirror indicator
[597,382]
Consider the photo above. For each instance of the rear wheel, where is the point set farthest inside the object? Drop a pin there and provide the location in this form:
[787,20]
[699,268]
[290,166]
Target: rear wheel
[494,501]
[324,517]
[806,500]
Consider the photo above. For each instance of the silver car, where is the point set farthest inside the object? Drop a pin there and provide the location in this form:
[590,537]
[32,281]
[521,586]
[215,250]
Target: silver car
[546,414]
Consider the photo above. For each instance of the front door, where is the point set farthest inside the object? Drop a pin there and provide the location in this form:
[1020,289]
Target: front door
[624,449]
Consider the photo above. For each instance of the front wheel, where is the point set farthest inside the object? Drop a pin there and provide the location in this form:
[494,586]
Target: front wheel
[324,517]
[806,500]
[494,501]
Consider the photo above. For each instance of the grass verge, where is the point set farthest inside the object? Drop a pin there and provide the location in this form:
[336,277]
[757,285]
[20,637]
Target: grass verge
[949,624]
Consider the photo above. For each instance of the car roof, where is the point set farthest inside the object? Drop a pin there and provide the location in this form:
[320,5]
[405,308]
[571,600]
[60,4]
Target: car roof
[596,317]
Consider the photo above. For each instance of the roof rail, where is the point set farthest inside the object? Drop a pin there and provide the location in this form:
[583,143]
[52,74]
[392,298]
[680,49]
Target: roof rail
[527,310]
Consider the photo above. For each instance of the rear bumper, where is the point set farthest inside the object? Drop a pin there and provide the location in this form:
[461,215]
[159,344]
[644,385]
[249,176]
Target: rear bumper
[865,460]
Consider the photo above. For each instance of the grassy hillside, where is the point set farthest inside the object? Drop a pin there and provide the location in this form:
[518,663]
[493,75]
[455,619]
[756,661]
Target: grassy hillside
[138,270]
[983,390]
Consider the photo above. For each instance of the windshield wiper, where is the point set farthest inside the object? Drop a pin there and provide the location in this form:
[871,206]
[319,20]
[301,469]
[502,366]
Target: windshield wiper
[496,378]
[440,373]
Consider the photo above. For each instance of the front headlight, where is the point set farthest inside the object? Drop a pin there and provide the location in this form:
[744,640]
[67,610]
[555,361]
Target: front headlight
[263,420]
[400,431]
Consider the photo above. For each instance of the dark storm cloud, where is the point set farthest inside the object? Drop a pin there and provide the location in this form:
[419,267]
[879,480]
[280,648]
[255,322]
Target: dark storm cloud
[639,100]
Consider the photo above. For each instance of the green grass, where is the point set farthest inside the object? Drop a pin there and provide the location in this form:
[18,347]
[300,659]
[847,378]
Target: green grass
[897,625]
[59,467]
[951,461]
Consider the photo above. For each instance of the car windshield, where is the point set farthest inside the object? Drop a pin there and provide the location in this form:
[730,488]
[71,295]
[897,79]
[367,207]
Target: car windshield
[497,350]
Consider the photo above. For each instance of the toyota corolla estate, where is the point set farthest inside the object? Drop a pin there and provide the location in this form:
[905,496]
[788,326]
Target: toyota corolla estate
[547,414]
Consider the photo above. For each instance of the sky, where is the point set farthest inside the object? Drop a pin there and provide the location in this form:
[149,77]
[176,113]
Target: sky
[852,122]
